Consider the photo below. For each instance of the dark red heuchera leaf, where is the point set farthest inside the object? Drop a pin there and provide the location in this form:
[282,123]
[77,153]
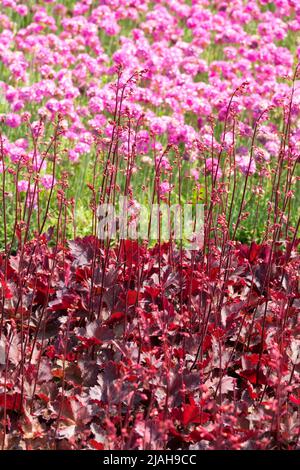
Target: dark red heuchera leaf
[82,250]
[152,291]
[250,360]
[43,397]
[190,329]
[11,401]
[96,445]
[254,252]
[254,377]
[115,318]
[95,333]
[65,300]
[131,252]
[201,434]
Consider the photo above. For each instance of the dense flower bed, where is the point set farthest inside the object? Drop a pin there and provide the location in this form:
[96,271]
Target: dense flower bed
[62,58]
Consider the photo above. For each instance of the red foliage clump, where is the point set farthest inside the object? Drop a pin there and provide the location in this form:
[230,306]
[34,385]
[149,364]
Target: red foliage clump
[135,348]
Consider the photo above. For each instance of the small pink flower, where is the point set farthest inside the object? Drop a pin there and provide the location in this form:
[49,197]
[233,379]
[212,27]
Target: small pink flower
[22,186]
[22,10]
[164,187]
[211,166]
[13,120]
[73,155]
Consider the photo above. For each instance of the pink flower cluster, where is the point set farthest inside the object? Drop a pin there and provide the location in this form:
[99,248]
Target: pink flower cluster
[62,60]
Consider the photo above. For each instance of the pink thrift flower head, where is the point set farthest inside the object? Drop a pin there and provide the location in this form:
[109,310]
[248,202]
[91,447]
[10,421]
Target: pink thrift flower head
[60,9]
[211,166]
[53,105]
[96,105]
[11,94]
[158,126]
[22,186]
[13,120]
[272,147]
[111,27]
[243,150]
[245,165]
[73,155]
[8,3]
[16,154]
[81,148]
[143,139]
[195,173]
[98,121]
[261,155]
[22,10]
[22,143]
[17,105]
